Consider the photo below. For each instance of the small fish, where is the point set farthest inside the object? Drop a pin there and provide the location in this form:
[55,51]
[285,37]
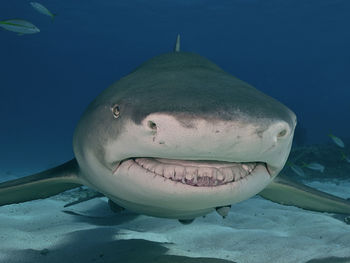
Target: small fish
[19,26]
[315,166]
[345,157]
[337,140]
[297,169]
[42,9]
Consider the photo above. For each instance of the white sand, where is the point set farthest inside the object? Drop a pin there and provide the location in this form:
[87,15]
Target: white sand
[255,231]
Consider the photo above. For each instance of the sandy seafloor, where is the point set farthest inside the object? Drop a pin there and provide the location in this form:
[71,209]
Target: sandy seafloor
[255,230]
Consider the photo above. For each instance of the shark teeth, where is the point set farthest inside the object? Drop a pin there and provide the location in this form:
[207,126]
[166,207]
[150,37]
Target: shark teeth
[197,173]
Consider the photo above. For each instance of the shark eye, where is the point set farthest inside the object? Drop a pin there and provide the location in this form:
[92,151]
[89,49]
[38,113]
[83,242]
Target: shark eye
[116,111]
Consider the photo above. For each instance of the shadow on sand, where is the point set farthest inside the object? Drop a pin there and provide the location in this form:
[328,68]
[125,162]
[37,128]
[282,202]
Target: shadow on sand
[96,245]
[102,243]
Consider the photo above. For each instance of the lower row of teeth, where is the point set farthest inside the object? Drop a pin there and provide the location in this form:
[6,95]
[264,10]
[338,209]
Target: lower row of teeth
[198,176]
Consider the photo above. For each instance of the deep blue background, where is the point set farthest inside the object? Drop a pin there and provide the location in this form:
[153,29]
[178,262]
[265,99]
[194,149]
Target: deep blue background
[297,51]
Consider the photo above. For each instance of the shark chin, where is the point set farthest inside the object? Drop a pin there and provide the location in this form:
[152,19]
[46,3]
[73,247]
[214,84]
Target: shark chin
[172,188]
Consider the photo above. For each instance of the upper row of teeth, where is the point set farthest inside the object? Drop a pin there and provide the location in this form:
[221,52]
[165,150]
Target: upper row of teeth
[194,174]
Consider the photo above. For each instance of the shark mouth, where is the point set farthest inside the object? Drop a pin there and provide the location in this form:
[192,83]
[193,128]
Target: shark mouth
[198,173]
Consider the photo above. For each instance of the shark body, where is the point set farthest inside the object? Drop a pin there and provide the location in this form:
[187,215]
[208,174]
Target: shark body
[178,138]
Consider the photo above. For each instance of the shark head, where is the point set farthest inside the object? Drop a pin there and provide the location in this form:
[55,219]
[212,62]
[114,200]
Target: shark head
[179,136]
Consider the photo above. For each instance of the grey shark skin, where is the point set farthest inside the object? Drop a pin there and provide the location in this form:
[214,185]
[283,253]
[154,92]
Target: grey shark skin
[178,138]
[180,106]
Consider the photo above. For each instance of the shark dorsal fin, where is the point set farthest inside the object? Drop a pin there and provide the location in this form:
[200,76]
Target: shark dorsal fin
[177,44]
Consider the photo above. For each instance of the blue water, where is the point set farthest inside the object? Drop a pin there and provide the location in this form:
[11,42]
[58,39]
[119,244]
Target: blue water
[294,50]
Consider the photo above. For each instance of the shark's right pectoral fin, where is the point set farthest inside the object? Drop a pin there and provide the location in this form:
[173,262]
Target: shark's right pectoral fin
[40,185]
[287,192]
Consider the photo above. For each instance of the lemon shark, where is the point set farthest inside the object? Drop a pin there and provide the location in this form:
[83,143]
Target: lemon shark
[179,138]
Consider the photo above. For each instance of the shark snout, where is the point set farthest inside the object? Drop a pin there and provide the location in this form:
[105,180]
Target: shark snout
[200,138]
[167,125]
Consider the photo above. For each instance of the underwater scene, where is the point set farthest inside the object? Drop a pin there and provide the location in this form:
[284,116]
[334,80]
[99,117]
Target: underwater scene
[168,131]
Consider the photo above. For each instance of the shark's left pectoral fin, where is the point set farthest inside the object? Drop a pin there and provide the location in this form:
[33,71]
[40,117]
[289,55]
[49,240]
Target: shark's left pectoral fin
[40,185]
[288,192]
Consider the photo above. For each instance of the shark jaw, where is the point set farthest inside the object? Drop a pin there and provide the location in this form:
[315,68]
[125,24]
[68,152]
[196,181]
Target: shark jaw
[185,189]
[197,173]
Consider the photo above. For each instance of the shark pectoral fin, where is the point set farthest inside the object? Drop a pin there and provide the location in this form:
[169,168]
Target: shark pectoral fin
[40,185]
[287,192]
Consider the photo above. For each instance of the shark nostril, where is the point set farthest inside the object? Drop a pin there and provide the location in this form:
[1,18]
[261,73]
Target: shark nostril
[282,133]
[152,125]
